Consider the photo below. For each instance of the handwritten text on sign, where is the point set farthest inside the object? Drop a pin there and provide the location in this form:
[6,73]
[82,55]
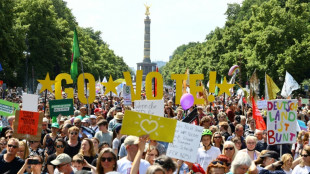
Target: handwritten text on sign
[28,123]
[153,107]
[282,121]
[186,142]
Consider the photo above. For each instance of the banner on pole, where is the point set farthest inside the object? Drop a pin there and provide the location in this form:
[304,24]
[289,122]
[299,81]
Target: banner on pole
[282,121]
[7,108]
[63,107]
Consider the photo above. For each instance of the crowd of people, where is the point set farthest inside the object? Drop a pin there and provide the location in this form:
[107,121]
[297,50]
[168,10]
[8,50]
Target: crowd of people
[90,141]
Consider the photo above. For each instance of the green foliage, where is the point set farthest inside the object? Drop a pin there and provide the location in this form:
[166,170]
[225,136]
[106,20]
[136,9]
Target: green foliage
[44,30]
[270,36]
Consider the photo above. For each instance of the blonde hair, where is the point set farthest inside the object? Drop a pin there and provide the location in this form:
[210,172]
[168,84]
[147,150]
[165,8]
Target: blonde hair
[73,128]
[91,148]
[286,157]
[232,144]
[250,138]
[26,151]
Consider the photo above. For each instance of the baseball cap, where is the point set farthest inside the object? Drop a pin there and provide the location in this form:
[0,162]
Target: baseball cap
[271,154]
[93,116]
[85,120]
[130,140]
[97,110]
[62,158]
[56,125]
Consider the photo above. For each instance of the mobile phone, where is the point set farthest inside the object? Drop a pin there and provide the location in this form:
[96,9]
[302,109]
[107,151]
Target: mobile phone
[33,161]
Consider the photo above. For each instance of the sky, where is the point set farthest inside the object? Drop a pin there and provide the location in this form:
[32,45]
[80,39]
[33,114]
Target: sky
[173,23]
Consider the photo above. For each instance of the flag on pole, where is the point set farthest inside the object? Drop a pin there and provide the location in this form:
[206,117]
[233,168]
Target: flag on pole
[74,57]
[289,86]
[257,116]
[271,89]
[254,86]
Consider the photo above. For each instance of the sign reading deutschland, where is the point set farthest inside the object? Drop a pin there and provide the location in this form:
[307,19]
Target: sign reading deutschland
[63,107]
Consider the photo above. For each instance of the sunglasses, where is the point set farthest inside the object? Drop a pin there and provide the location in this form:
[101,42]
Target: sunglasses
[217,137]
[229,148]
[103,159]
[11,145]
[10,136]
[215,162]
[74,133]
[60,146]
[305,155]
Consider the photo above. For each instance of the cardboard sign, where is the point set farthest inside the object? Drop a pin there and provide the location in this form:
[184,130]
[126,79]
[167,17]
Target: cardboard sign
[262,104]
[127,95]
[7,108]
[28,125]
[185,143]
[282,121]
[305,101]
[159,128]
[30,102]
[63,107]
[153,107]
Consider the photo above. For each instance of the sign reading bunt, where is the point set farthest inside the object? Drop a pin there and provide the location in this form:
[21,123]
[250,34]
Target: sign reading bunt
[7,108]
[186,142]
[282,121]
[28,125]
[159,128]
[63,107]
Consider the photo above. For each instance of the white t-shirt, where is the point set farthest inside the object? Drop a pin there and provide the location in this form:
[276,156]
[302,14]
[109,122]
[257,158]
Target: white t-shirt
[124,166]
[204,157]
[301,170]
[288,172]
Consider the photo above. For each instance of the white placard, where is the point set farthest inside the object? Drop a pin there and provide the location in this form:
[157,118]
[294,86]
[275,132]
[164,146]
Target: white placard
[185,143]
[282,121]
[30,102]
[153,107]
[127,95]
[262,104]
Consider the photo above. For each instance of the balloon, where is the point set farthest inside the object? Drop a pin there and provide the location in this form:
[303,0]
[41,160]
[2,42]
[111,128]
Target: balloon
[233,69]
[187,101]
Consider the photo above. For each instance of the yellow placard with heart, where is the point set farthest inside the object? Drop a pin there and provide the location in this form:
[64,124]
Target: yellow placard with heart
[159,128]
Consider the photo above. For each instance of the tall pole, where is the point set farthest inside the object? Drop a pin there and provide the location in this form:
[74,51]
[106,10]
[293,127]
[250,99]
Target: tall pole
[85,86]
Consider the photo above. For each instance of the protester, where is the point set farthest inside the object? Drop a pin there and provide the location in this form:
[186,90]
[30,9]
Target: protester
[216,167]
[250,147]
[63,164]
[287,160]
[60,146]
[23,151]
[96,144]
[240,164]
[304,166]
[207,152]
[74,144]
[151,153]
[104,134]
[36,166]
[87,151]
[9,162]
[50,138]
[217,140]
[230,150]
[106,162]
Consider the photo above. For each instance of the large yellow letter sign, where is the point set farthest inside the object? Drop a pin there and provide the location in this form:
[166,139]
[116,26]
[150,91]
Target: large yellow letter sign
[194,88]
[178,80]
[148,86]
[92,87]
[58,79]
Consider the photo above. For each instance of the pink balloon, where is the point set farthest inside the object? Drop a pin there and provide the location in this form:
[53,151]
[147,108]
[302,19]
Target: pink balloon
[187,101]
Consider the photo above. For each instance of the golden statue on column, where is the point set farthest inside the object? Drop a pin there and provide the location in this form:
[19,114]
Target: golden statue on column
[147,11]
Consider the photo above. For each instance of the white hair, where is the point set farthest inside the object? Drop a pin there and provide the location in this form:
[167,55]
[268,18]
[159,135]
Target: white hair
[250,137]
[242,158]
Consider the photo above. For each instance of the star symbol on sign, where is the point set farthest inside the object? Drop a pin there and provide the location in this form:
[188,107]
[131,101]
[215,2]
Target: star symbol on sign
[47,83]
[224,87]
[110,86]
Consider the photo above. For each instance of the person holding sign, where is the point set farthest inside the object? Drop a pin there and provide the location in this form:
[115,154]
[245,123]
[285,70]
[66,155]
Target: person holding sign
[207,152]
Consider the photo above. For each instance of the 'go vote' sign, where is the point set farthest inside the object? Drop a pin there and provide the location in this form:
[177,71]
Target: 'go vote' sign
[63,107]
[282,121]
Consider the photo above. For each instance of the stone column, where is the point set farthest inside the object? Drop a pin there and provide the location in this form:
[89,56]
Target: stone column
[147,40]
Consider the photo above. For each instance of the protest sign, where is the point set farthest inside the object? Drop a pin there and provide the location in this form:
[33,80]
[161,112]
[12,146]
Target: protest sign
[63,107]
[262,104]
[159,128]
[126,95]
[28,125]
[7,108]
[153,107]
[305,101]
[185,143]
[30,102]
[282,121]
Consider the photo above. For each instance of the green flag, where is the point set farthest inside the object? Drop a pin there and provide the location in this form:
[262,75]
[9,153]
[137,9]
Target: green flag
[74,57]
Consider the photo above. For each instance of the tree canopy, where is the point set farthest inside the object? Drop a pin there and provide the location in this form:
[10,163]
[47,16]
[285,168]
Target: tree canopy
[36,37]
[271,36]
